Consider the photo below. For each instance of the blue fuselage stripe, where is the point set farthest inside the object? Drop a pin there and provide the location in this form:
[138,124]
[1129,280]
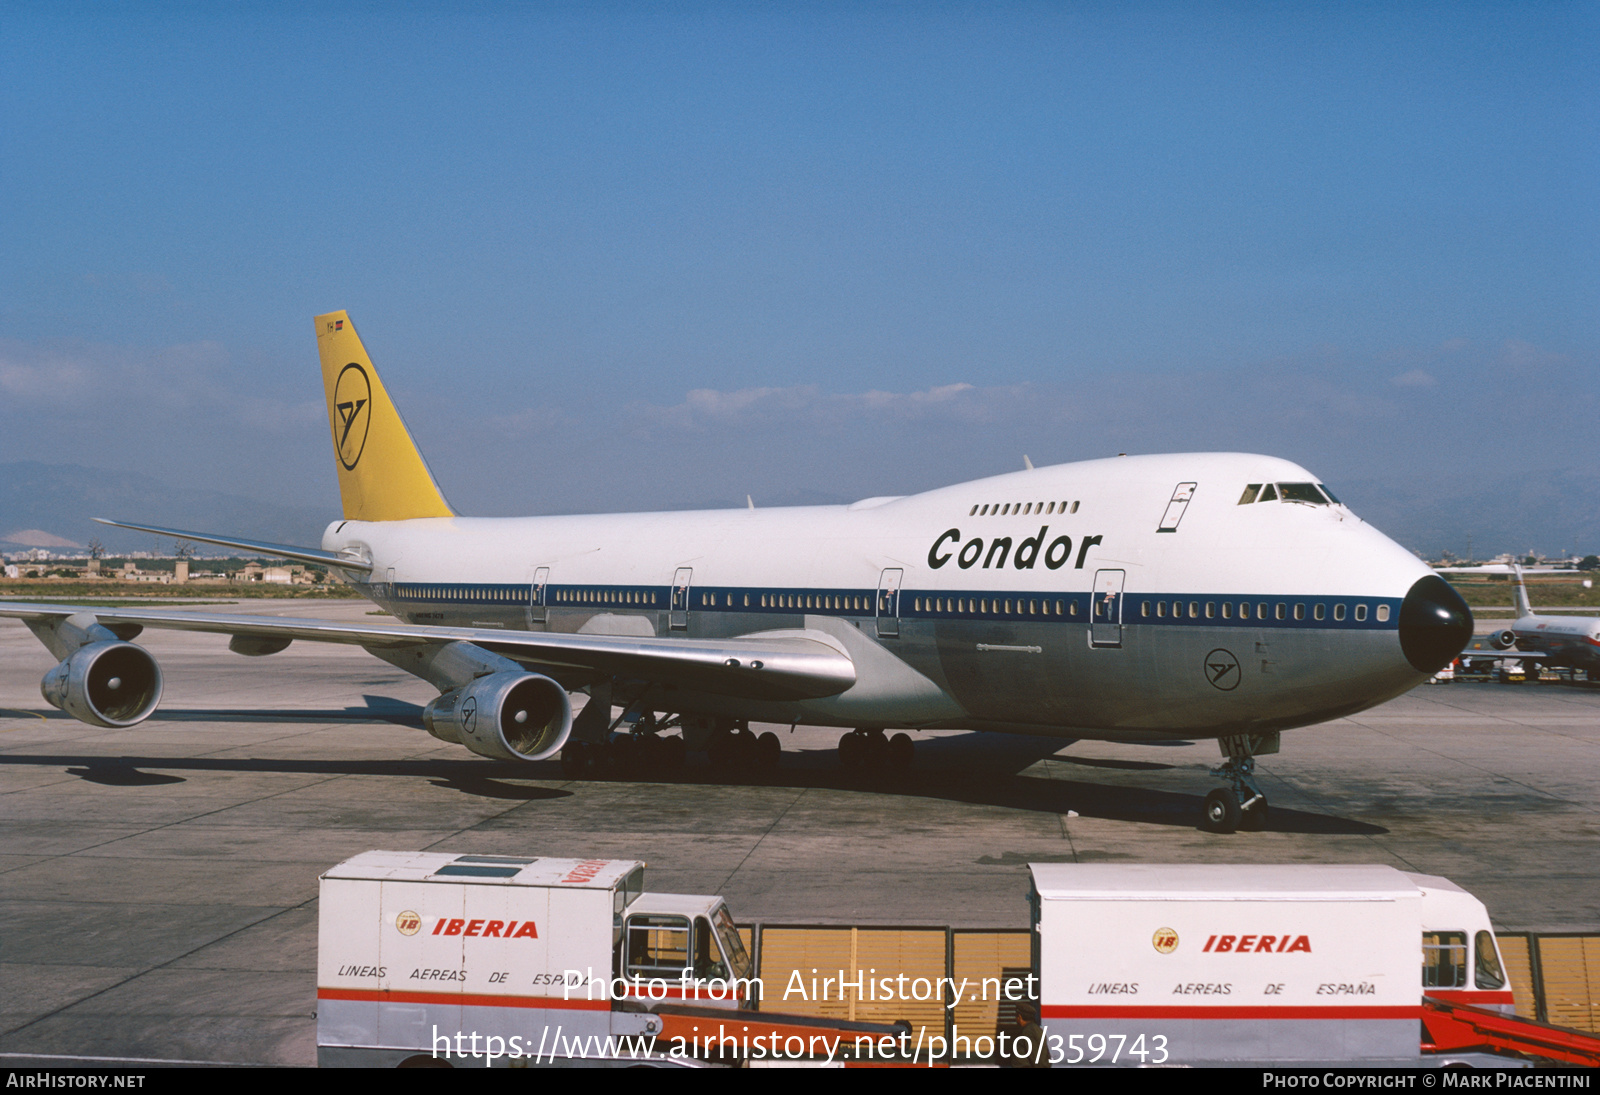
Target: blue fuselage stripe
[1208,610]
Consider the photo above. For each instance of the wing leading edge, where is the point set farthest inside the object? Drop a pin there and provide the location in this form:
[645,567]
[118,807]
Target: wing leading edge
[772,665]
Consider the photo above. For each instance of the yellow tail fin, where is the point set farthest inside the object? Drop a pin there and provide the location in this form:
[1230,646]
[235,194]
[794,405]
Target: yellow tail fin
[382,476]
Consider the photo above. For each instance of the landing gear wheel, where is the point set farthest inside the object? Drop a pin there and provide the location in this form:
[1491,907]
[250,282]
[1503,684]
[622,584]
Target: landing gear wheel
[1255,818]
[876,753]
[1221,812]
[721,750]
[580,760]
[672,751]
[572,760]
[901,752]
[850,751]
[768,750]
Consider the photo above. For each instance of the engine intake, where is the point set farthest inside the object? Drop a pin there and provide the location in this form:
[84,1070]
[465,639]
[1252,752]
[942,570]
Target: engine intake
[106,683]
[1503,640]
[506,716]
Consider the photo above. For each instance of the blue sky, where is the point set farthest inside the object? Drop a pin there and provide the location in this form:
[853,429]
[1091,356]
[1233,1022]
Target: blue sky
[628,255]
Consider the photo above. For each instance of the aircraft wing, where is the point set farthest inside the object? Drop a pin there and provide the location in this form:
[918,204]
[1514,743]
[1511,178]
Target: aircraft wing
[771,665]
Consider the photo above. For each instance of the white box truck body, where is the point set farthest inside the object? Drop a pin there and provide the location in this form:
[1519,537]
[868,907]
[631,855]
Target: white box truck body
[413,947]
[1180,964]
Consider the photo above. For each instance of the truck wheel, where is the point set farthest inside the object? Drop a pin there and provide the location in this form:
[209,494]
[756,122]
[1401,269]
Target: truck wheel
[1221,812]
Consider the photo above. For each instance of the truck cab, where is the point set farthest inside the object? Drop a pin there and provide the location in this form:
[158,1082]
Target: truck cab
[1460,958]
[684,948]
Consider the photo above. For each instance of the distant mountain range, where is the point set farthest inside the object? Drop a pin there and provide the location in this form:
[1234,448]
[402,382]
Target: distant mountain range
[61,500]
[51,505]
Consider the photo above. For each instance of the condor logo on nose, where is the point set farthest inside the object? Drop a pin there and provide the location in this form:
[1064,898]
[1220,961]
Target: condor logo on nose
[352,402]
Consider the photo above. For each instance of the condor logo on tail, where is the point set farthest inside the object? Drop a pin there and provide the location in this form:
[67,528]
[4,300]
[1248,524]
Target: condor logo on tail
[352,398]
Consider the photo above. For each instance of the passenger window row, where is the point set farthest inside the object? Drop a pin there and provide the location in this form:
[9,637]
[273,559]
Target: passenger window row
[856,602]
[1262,610]
[583,596]
[1012,509]
[467,594]
[998,606]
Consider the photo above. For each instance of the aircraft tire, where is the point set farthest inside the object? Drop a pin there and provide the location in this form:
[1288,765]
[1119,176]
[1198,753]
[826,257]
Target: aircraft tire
[902,751]
[1255,818]
[1221,812]
[850,751]
[575,760]
[671,754]
[721,749]
[768,750]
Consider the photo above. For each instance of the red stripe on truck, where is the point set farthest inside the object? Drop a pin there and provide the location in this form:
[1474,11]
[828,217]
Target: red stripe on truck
[1068,1011]
[465,999]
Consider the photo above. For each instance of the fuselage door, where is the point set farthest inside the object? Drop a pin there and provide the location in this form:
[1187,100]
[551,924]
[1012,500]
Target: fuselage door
[1175,508]
[678,615]
[889,603]
[538,610]
[1105,628]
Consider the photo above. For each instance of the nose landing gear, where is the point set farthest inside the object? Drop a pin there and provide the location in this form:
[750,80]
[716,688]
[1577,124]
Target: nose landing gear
[1242,804]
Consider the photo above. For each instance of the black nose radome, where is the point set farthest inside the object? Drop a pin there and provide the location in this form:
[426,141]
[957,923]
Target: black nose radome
[1435,624]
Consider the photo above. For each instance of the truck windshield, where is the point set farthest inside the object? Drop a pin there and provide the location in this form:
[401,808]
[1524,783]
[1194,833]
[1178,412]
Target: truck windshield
[1488,973]
[732,945]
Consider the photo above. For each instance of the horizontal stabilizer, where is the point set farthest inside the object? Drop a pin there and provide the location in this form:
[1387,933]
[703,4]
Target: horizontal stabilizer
[260,547]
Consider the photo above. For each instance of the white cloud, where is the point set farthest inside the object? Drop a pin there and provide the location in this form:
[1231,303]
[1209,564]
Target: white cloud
[1416,378]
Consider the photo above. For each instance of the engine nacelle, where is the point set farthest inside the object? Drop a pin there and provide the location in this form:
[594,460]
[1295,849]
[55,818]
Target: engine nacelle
[1503,640]
[507,716]
[106,683]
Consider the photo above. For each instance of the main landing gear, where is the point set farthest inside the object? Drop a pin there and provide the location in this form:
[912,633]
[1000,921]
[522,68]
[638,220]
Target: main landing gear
[868,752]
[1241,804]
[735,750]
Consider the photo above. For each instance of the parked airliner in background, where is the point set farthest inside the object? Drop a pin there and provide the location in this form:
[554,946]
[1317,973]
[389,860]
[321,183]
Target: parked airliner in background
[1137,599]
[1572,642]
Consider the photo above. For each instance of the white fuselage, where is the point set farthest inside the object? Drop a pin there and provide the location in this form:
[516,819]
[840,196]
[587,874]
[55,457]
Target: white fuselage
[1572,641]
[1132,598]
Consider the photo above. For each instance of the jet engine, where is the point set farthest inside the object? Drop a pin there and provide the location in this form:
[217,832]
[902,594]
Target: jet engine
[506,716]
[106,683]
[1503,640]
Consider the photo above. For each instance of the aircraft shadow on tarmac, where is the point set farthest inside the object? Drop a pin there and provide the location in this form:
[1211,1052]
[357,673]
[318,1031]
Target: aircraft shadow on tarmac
[380,708]
[977,769]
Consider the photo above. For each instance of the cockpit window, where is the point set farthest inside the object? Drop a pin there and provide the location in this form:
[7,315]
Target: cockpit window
[1324,488]
[1269,493]
[1302,492]
[1249,494]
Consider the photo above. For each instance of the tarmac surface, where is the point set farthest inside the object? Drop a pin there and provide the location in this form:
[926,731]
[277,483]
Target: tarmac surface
[158,885]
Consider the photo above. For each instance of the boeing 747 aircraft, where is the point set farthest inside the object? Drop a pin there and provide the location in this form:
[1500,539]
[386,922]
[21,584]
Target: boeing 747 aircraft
[1137,599]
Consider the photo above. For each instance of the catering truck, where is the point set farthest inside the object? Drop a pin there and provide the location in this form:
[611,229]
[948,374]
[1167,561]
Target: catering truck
[484,959]
[1147,964]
